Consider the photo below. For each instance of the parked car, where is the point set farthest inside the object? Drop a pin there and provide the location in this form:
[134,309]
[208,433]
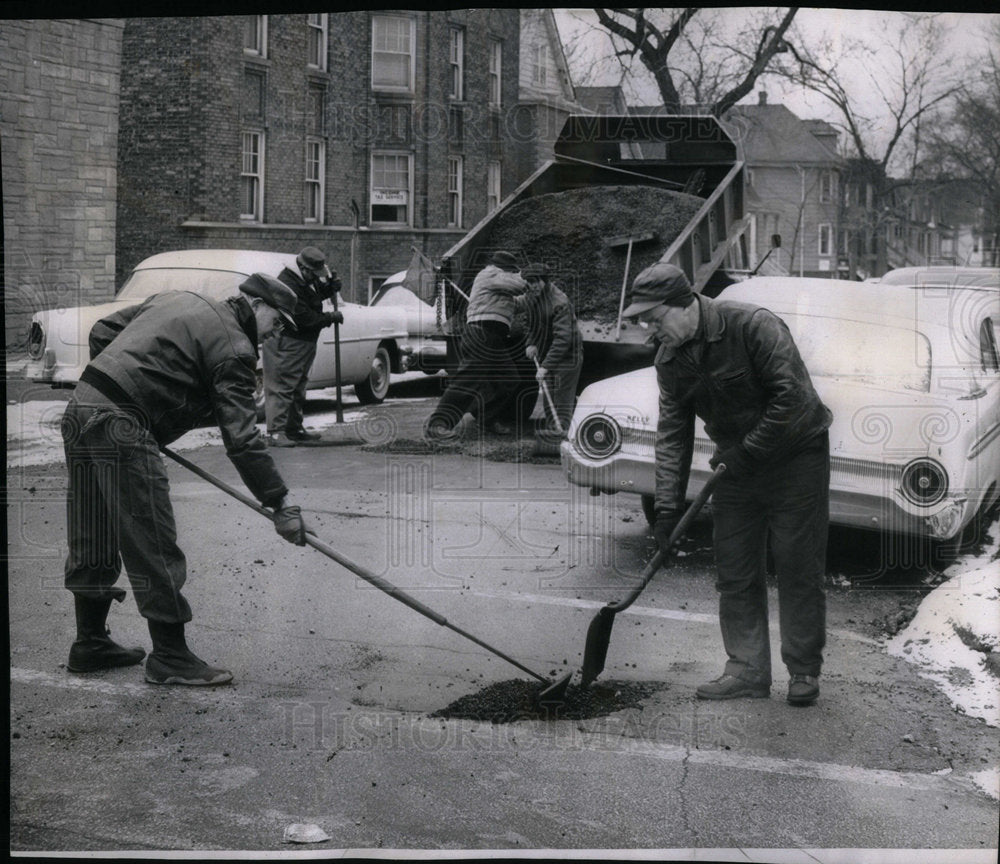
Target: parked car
[425,341]
[912,376]
[943,277]
[371,339]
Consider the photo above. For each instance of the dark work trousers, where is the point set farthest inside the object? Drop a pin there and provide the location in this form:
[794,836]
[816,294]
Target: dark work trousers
[118,509]
[485,382]
[786,504]
[287,361]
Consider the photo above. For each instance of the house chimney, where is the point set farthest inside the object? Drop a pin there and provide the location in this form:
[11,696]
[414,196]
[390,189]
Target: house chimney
[762,97]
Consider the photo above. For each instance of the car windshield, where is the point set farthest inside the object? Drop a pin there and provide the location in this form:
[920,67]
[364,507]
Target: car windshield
[893,358]
[217,284]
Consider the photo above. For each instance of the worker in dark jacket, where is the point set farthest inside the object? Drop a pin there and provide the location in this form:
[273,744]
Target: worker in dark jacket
[554,341]
[486,380]
[288,357]
[736,367]
[157,370]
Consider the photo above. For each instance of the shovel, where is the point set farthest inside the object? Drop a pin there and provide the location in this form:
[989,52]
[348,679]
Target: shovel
[548,400]
[553,693]
[629,240]
[599,632]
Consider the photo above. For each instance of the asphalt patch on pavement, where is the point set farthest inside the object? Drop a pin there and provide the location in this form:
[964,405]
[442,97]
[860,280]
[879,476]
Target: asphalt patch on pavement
[524,451]
[514,700]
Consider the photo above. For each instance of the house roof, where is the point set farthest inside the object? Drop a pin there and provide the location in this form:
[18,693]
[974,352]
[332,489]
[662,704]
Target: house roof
[771,134]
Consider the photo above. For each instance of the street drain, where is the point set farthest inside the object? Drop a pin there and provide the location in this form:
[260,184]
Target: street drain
[510,701]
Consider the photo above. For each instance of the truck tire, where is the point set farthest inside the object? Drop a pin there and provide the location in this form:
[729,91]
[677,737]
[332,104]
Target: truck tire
[375,387]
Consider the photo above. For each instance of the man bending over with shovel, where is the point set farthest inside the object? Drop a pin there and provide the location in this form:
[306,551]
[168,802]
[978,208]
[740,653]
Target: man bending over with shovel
[736,367]
[158,370]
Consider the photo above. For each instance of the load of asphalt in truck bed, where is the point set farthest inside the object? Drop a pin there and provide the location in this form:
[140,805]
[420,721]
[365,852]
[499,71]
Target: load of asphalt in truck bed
[510,701]
[570,231]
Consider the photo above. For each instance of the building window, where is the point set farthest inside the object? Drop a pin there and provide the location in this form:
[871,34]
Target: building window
[316,47]
[456,62]
[540,64]
[392,53]
[252,177]
[455,191]
[826,186]
[496,59]
[315,179]
[253,95]
[316,110]
[255,35]
[390,193]
[825,240]
[492,186]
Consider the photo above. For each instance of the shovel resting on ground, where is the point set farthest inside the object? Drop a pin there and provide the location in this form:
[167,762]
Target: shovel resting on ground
[553,693]
[599,632]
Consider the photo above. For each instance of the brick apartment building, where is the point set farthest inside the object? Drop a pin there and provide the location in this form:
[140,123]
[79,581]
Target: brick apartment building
[262,131]
[59,122]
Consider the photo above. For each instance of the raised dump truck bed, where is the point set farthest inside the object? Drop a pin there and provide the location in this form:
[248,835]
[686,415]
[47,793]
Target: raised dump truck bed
[622,192]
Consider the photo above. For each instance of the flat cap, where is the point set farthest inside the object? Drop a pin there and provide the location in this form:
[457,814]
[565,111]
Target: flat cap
[312,257]
[659,284]
[274,293]
[504,260]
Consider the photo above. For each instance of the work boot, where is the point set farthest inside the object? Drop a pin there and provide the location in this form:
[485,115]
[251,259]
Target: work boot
[93,650]
[438,431]
[303,435]
[731,687]
[172,662]
[803,689]
[280,439]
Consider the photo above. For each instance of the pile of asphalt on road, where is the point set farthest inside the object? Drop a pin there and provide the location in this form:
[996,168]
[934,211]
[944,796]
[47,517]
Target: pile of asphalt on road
[570,232]
[510,701]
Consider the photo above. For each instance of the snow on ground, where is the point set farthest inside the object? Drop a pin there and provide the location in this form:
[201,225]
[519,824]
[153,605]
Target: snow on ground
[962,612]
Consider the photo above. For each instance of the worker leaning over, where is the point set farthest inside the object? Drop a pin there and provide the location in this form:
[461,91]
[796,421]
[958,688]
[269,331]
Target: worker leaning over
[487,377]
[157,370]
[736,367]
[554,341]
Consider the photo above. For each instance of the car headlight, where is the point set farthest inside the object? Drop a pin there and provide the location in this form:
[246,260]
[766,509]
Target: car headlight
[924,482]
[36,341]
[598,436]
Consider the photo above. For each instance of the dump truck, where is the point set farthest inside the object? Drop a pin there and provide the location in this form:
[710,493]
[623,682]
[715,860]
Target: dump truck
[620,193]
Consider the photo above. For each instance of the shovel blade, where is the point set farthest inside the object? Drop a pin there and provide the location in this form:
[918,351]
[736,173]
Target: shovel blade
[596,650]
[555,693]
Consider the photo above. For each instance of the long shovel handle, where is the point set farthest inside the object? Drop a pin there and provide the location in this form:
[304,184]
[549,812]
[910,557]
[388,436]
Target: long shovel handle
[548,399]
[357,569]
[675,536]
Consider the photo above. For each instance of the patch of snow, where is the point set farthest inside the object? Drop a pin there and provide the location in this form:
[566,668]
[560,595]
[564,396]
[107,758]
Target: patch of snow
[967,602]
[988,781]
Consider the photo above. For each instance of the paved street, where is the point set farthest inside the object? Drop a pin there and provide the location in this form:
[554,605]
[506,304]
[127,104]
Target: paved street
[328,721]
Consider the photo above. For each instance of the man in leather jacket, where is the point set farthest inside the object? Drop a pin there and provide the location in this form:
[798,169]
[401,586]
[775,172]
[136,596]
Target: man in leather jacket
[736,367]
[288,357]
[157,370]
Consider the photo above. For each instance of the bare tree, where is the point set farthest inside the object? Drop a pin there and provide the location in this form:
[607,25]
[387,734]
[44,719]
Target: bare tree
[688,59]
[965,145]
[883,94]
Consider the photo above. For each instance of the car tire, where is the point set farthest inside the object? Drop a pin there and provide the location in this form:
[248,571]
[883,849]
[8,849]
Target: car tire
[375,387]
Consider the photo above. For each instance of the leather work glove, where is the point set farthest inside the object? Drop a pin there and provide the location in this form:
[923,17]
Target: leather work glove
[540,374]
[333,318]
[531,352]
[738,463]
[663,527]
[288,522]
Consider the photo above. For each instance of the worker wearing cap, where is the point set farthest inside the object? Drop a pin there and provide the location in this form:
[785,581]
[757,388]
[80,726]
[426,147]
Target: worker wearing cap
[288,358]
[487,377]
[736,367]
[157,370]
[554,341]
